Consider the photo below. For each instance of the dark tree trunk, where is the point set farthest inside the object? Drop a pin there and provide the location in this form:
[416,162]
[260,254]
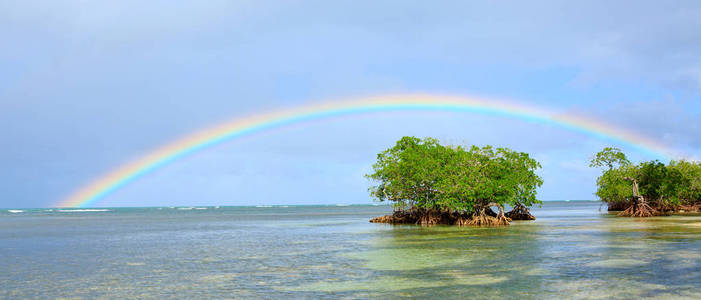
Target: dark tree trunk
[520,212]
[639,207]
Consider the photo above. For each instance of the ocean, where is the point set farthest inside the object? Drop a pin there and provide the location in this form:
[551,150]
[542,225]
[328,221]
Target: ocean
[572,250]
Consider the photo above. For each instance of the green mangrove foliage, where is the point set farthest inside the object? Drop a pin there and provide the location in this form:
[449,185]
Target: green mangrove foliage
[648,188]
[429,183]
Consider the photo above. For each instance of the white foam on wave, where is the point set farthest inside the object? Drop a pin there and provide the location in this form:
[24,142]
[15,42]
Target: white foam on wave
[264,206]
[200,208]
[185,208]
[82,210]
[342,204]
[15,211]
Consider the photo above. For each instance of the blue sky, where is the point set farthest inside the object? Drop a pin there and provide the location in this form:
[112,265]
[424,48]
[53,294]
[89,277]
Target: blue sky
[87,86]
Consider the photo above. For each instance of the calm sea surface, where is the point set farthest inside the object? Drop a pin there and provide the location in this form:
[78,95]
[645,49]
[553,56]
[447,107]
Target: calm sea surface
[572,250]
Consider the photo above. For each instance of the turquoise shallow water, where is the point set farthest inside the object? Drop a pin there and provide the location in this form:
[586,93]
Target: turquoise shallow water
[572,250]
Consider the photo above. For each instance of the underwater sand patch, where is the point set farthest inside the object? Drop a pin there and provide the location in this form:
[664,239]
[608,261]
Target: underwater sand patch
[382,284]
[537,272]
[684,254]
[395,283]
[617,263]
[462,278]
[406,259]
[628,245]
[314,250]
[218,277]
[606,289]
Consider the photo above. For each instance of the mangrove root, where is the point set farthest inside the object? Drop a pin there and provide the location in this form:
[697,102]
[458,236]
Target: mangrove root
[430,218]
[482,218]
[485,220]
[462,221]
[434,217]
[501,218]
[689,208]
[520,212]
[398,217]
[638,209]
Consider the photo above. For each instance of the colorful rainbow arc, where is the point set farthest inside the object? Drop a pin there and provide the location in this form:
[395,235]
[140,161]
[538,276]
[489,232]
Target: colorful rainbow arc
[245,126]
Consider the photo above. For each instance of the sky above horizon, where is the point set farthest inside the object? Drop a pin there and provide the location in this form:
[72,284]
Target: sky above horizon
[88,86]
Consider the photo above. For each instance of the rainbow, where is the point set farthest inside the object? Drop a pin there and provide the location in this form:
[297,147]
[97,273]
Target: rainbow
[187,145]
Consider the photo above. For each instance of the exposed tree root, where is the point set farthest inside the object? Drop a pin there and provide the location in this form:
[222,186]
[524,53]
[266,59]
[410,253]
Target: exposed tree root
[482,218]
[685,208]
[462,221]
[398,217]
[485,220]
[639,209]
[434,217]
[665,209]
[501,218]
[429,217]
[520,212]
[384,219]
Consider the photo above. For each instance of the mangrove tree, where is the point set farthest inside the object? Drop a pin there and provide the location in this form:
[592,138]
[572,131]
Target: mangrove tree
[429,183]
[647,188]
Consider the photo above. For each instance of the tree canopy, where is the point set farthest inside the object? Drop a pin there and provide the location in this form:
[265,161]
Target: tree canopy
[422,173]
[609,157]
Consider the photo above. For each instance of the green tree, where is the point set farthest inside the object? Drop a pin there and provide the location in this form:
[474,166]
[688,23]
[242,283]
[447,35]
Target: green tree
[648,188]
[609,157]
[612,186]
[435,181]
[524,178]
[651,177]
[686,178]
[407,173]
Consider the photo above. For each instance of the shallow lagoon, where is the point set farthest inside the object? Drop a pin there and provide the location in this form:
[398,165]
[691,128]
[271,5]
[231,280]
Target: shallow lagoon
[572,249]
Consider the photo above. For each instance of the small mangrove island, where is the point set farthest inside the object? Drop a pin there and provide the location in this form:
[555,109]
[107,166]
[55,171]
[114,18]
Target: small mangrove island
[429,183]
[649,188]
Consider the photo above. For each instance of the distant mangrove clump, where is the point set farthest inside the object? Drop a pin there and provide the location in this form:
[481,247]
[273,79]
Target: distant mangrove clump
[649,188]
[429,183]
